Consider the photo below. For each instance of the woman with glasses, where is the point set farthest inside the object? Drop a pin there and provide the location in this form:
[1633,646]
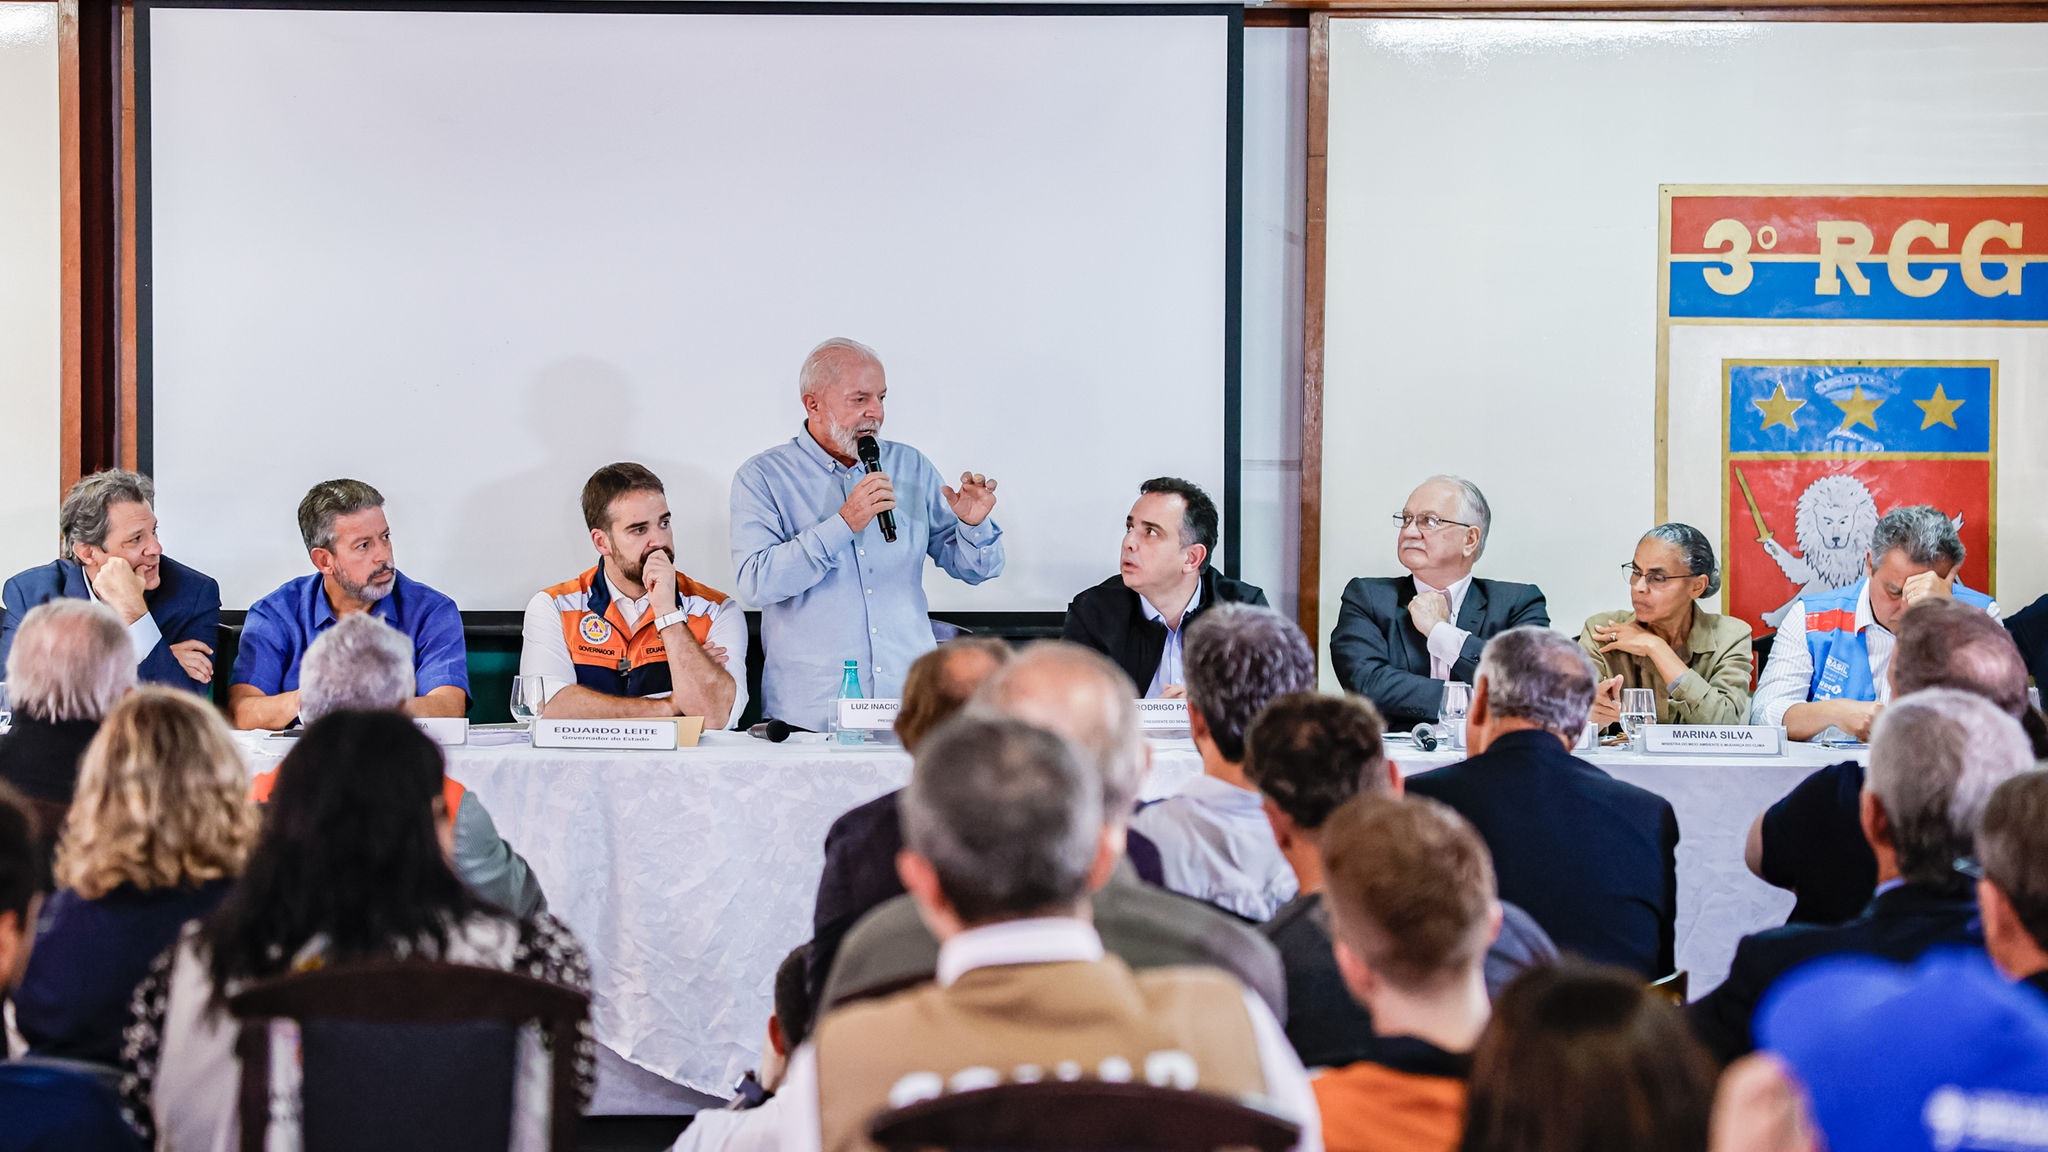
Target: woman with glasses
[1698,664]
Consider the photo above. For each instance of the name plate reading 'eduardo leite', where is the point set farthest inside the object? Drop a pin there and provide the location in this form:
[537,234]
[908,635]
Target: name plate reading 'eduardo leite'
[1714,739]
[868,715]
[655,735]
[1163,715]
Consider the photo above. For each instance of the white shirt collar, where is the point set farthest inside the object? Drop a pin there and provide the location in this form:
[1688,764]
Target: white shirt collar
[1151,613]
[1049,940]
[1864,619]
[639,601]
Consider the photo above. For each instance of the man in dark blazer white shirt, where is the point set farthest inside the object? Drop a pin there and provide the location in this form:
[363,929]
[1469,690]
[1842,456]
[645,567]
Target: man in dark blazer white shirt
[112,555]
[1399,639]
[1592,858]
[1164,583]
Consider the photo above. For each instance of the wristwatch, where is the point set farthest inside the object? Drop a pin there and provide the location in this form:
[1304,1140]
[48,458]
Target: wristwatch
[661,623]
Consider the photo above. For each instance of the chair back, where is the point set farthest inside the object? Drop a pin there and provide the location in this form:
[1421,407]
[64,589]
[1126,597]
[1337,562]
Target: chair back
[407,1054]
[1082,1116]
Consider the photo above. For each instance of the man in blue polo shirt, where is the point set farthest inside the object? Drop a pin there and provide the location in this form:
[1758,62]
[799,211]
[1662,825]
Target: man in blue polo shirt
[349,541]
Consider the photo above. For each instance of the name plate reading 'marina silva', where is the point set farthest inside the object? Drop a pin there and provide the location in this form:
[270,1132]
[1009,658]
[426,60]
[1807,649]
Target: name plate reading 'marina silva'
[656,735]
[1714,740]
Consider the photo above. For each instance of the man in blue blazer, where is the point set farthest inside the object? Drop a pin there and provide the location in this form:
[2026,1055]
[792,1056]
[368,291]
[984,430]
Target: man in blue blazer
[1592,858]
[1399,638]
[112,555]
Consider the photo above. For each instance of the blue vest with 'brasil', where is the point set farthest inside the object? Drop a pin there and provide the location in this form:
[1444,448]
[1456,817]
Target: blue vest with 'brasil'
[1841,658]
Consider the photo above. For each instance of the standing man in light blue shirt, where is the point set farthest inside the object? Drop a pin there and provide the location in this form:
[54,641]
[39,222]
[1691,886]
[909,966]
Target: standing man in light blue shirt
[810,552]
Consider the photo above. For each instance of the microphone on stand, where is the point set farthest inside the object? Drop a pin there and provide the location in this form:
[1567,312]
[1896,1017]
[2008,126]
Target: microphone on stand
[871,456]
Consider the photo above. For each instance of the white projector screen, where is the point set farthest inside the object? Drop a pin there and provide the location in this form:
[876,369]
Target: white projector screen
[470,256]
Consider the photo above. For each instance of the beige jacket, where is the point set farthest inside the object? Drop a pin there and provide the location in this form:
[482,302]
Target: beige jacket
[1716,686]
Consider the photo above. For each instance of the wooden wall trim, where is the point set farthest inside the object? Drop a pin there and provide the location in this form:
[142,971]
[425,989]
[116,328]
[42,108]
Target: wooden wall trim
[72,272]
[1671,9]
[125,380]
[95,174]
[1315,253]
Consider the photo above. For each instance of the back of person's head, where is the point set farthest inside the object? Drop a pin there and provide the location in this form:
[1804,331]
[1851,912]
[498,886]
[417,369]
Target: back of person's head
[1410,889]
[71,660]
[21,879]
[1948,644]
[941,681]
[1582,1057]
[1309,753]
[1008,816]
[1535,674]
[349,850]
[162,800]
[1935,757]
[1081,696]
[1238,657]
[792,1000]
[361,664]
[2012,849]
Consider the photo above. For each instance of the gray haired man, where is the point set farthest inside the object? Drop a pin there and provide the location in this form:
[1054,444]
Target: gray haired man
[1828,664]
[110,553]
[364,664]
[71,663]
[1593,859]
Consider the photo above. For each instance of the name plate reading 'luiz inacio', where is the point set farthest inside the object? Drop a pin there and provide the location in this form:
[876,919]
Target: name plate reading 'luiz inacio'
[868,715]
[655,735]
[1714,739]
[1163,715]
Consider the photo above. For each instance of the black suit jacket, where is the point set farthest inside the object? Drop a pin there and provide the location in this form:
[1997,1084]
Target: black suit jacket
[1592,858]
[1110,619]
[2029,628]
[1899,926]
[1378,654]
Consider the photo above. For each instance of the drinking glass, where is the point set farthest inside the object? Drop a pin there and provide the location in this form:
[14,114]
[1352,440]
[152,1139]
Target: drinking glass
[2033,697]
[529,696]
[6,709]
[1457,702]
[1638,707]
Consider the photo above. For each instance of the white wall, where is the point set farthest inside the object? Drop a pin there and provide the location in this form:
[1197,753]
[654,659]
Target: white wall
[31,319]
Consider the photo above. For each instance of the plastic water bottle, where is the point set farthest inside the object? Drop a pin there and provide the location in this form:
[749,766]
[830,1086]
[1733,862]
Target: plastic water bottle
[849,689]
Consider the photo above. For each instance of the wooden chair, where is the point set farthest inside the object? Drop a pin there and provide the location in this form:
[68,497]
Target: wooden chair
[407,1047]
[1082,1116]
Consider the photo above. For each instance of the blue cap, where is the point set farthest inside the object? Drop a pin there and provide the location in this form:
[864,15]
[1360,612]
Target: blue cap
[1945,1055]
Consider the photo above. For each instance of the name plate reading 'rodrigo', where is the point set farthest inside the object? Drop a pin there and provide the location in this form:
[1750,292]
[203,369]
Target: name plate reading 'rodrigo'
[868,715]
[655,735]
[1712,739]
[447,731]
[1163,715]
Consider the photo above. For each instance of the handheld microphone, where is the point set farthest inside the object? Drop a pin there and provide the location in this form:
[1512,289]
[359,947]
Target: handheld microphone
[871,456]
[773,731]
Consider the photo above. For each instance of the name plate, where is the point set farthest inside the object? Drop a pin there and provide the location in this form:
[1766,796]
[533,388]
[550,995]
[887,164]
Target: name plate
[447,731]
[868,715]
[1163,715]
[653,735]
[1715,740]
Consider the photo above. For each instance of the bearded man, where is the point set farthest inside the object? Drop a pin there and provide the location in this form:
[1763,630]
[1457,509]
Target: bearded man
[833,554]
[633,637]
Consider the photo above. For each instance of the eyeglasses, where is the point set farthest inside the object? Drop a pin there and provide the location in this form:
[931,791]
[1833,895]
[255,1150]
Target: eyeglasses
[1654,579]
[1430,521]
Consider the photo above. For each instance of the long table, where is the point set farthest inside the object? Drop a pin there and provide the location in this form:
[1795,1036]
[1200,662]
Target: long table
[688,875]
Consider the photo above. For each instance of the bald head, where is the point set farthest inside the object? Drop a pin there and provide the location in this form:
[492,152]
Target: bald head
[1083,697]
[71,660]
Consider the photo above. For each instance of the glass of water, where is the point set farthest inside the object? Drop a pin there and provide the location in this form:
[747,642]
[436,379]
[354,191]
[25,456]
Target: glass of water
[6,709]
[1638,707]
[2033,697]
[529,696]
[1457,702]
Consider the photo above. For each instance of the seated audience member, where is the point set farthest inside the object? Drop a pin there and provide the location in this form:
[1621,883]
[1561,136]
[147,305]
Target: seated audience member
[1592,858]
[1083,698]
[159,831]
[2030,631]
[1828,662]
[1308,754]
[633,636]
[1215,843]
[1811,842]
[2012,893]
[363,664]
[342,524]
[1398,639]
[1582,1056]
[1697,663]
[112,556]
[1412,910]
[44,1106]
[309,899]
[861,845]
[752,1119]
[68,668]
[1935,757]
[1163,585]
[1004,841]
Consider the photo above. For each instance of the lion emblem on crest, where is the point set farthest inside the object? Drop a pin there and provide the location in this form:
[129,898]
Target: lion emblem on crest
[1834,519]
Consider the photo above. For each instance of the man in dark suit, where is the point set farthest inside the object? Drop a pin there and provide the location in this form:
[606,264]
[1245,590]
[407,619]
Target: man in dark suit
[73,664]
[2029,628]
[1592,858]
[2012,854]
[1163,584]
[1398,639]
[113,556]
[1935,758]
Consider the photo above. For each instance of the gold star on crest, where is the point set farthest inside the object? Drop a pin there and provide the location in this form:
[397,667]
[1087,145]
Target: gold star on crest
[1938,409]
[1779,409]
[1858,409]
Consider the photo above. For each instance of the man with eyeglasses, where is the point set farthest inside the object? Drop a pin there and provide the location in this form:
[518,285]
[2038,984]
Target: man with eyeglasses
[1399,638]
